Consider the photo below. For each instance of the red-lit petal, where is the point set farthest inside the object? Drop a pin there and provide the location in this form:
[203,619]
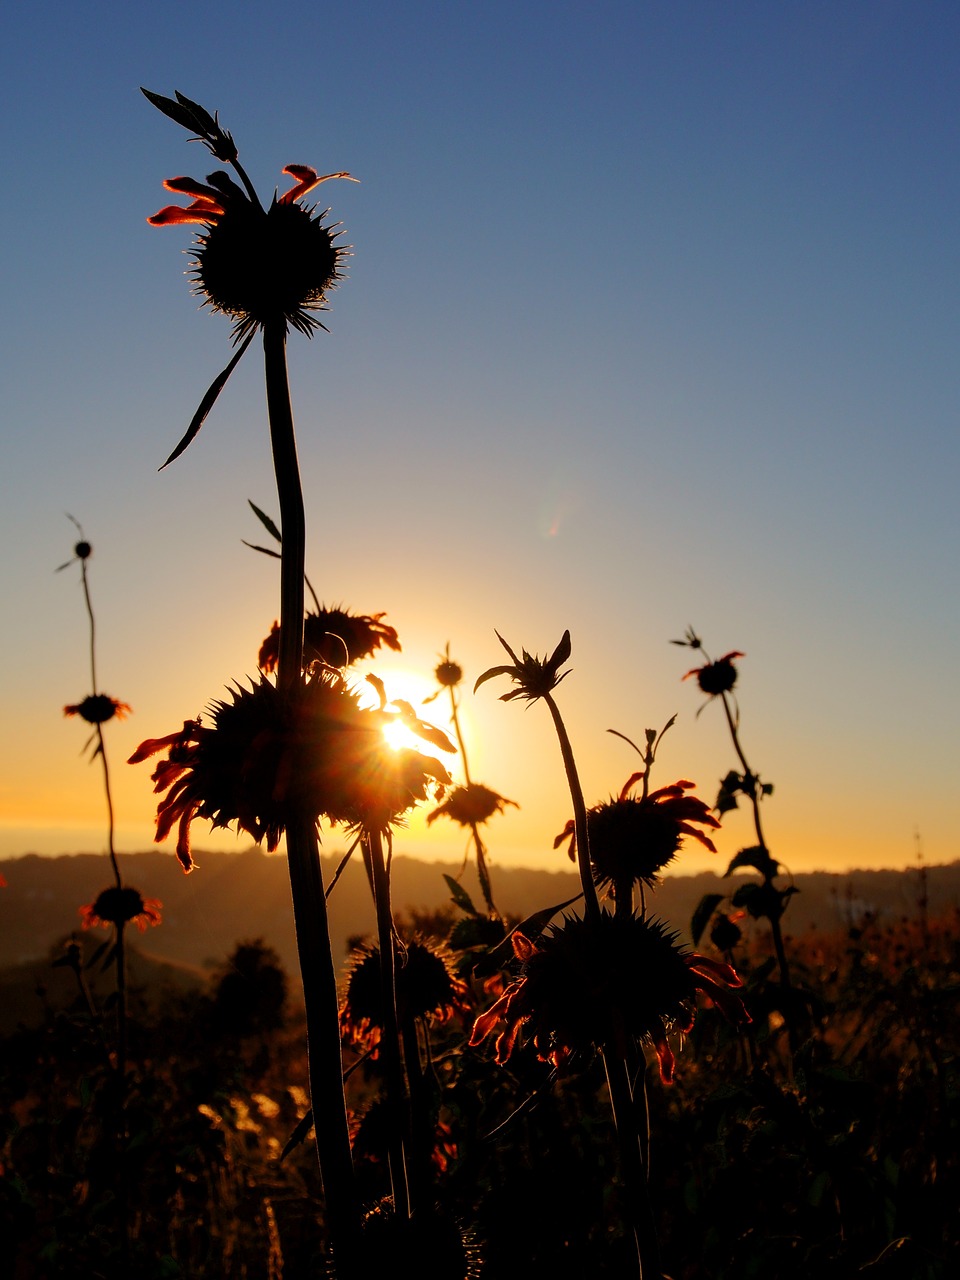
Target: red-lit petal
[150,746]
[523,948]
[190,187]
[697,835]
[715,969]
[173,215]
[307,179]
[569,832]
[665,1057]
[183,842]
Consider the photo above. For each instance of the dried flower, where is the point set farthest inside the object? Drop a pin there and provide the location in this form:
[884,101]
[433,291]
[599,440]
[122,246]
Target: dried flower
[118,906]
[257,265]
[470,805]
[583,978]
[448,673]
[270,754]
[717,677]
[534,677]
[633,838]
[426,983]
[98,708]
[334,636]
[262,267]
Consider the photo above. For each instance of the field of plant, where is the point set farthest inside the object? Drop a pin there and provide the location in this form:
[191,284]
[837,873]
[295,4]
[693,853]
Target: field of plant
[578,1092]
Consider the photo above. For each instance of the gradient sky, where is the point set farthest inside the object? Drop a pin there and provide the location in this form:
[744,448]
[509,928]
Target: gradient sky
[652,320]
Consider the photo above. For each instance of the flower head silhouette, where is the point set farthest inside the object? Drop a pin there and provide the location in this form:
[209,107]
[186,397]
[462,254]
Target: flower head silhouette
[583,976]
[334,636]
[427,988]
[716,677]
[272,754]
[470,805]
[448,673]
[98,708]
[118,906]
[632,838]
[534,677]
[260,266]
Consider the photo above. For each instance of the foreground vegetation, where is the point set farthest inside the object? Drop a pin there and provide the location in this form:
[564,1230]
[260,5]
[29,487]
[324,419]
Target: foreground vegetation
[579,1091]
[844,1163]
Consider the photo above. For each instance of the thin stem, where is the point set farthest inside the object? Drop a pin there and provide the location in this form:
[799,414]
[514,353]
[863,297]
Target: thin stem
[748,773]
[455,717]
[102,752]
[251,189]
[314,950]
[324,1062]
[121,1006]
[591,903]
[290,494]
[93,627]
[632,1166]
[398,1102]
[482,870]
[751,780]
[99,729]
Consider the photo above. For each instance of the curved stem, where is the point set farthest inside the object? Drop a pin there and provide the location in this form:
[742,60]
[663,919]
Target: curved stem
[251,189]
[591,903]
[747,771]
[111,849]
[482,870]
[93,626]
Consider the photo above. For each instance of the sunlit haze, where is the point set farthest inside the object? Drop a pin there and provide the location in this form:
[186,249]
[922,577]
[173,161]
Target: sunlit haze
[651,321]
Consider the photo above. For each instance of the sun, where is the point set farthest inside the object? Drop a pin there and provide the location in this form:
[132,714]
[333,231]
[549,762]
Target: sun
[399,736]
[413,687]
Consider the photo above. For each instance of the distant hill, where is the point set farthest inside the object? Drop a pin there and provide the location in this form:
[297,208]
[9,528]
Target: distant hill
[236,896]
[31,989]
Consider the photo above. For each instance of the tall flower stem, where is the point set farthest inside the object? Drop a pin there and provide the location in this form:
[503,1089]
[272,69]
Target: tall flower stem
[758,828]
[290,495]
[303,854]
[483,871]
[101,749]
[397,1096]
[631,1144]
[591,902]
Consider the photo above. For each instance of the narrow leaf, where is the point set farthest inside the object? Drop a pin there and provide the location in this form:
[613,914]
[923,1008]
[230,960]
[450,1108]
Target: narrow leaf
[561,653]
[179,112]
[263,550]
[299,1134]
[208,401]
[489,675]
[202,116]
[265,520]
[533,926]
[460,896]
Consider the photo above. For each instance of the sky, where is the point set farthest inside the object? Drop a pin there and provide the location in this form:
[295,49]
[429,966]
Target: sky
[651,321]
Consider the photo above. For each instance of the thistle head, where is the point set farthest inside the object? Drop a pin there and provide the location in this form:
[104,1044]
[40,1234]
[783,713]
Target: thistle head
[534,677]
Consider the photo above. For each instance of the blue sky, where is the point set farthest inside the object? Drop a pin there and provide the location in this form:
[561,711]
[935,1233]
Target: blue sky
[651,320]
